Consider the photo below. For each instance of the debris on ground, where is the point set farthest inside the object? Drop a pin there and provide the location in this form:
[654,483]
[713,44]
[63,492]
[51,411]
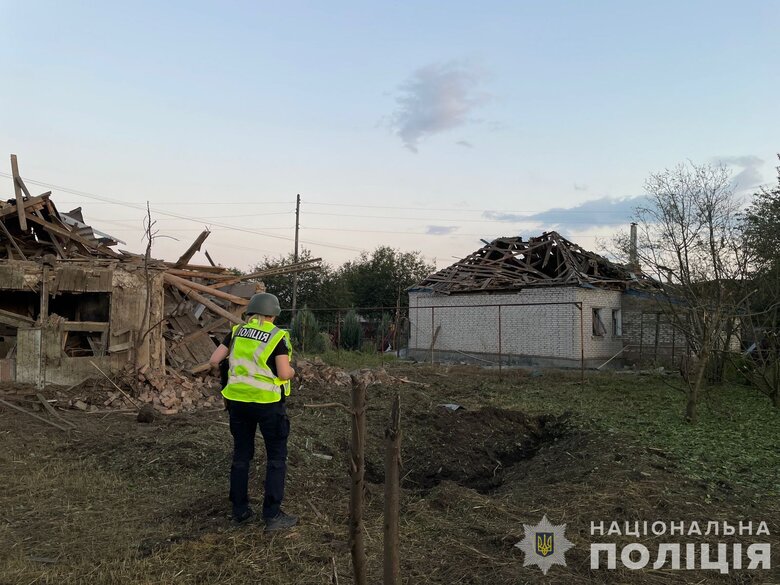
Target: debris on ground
[316,372]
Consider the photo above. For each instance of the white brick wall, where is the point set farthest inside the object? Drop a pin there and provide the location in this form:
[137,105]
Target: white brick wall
[607,345]
[543,330]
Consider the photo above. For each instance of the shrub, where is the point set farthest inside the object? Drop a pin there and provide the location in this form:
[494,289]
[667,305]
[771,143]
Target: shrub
[305,332]
[383,332]
[351,332]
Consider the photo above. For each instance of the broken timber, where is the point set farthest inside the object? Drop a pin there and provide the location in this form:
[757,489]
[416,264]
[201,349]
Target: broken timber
[194,304]
[511,263]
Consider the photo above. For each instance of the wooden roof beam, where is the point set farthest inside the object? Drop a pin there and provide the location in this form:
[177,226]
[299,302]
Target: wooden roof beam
[194,247]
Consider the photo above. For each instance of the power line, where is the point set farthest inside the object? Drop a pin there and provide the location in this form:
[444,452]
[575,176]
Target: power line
[454,233]
[209,220]
[568,210]
[179,216]
[459,220]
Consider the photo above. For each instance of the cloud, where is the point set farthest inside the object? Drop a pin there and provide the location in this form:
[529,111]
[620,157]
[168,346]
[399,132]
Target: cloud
[602,212]
[440,230]
[435,99]
[580,187]
[464,144]
[749,176]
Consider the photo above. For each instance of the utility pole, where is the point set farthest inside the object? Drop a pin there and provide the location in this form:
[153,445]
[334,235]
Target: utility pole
[295,255]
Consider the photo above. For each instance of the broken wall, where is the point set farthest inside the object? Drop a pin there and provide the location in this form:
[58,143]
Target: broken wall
[61,317]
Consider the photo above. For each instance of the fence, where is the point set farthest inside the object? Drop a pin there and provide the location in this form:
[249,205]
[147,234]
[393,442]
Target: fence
[500,334]
[652,339]
[495,334]
[380,329]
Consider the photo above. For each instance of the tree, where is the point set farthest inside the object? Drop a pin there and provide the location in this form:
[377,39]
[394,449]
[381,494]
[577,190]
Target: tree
[761,225]
[309,282]
[351,332]
[690,239]
[377,279]
[305,331]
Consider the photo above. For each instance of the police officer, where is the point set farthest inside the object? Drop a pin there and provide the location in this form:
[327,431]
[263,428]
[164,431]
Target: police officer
[258,381]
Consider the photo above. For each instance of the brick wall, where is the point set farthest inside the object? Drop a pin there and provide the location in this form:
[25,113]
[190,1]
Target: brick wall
[607,345]
[543,330]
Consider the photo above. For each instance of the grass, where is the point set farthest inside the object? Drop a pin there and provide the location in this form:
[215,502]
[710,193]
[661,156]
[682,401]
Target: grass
[119,502]
[354,360]
[736,441]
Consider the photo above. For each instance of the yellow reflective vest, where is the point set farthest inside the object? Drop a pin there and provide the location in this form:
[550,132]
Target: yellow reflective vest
[249,377]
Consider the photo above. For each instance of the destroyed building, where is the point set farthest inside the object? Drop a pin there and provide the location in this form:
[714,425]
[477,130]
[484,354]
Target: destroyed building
[72,306]
[541,301]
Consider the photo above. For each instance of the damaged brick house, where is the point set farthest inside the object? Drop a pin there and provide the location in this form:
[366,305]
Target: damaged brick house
[542,301]
[70,304]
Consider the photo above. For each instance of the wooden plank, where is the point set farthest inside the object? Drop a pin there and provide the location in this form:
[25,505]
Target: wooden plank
[33,204]
[198,348]
[14,319]
[50,227]
[304,266]
[18,194]
[97,347]
[120,347]
[191,293]
[201,331]
[85,326]
[43,312]
[32,414]
[197,268]
[207,275]
[50,409]
[170,278]
[12,240]
[194,247]
[204,367]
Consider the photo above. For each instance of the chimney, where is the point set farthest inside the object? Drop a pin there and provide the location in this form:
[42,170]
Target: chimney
[632,256]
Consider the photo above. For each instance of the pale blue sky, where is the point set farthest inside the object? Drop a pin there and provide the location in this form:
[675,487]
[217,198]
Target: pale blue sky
[224,111]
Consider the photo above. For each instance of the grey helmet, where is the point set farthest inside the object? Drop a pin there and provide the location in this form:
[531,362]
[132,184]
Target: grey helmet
[264,304]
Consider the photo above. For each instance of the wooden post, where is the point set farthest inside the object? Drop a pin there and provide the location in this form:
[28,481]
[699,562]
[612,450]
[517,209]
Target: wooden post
[295,257]
[392,561]
[582,343]
[18,193]
[43,312]
[338,331]
[357,472]
[657,335]
[499,342]
[396,341]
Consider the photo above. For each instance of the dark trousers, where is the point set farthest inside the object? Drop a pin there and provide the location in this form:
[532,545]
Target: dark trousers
[274,425]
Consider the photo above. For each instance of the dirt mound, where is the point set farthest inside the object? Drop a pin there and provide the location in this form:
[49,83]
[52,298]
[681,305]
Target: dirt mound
[473,448]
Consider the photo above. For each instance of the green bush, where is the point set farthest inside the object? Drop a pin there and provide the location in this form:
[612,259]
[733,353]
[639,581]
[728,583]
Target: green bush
[351,332]
[383,332]
[305,332]
[326,342]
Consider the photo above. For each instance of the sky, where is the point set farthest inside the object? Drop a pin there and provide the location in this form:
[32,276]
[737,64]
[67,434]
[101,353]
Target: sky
[423,126]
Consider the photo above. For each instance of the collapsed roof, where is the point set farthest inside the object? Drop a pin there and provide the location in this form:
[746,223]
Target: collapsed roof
[200,300]
[513,264]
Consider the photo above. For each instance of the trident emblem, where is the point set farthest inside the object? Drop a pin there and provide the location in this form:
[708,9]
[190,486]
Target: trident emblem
[544,543]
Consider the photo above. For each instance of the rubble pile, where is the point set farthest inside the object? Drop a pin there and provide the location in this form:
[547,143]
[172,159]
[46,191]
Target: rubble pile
[318,373]
[170,394]
[73,305]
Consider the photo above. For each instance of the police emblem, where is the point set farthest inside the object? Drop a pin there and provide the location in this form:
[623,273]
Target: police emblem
[544,545]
